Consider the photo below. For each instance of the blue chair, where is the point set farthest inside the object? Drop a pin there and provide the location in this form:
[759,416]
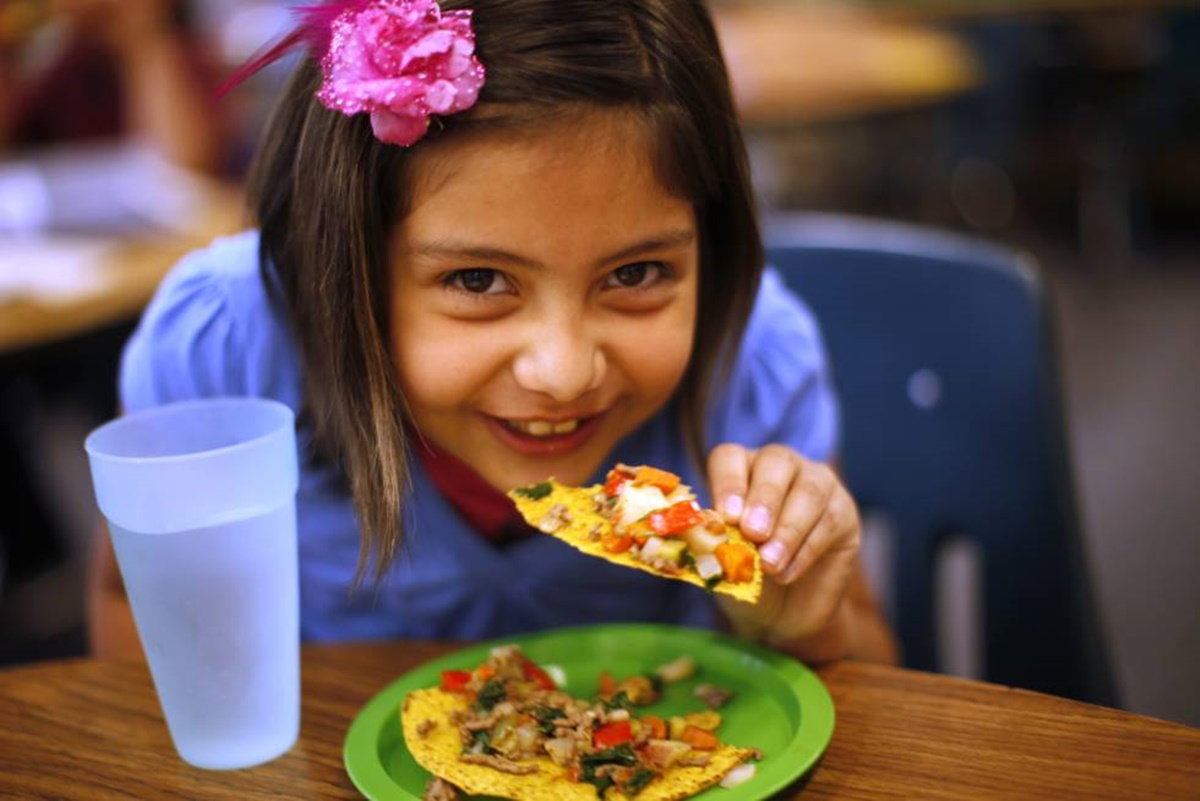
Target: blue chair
[943,356]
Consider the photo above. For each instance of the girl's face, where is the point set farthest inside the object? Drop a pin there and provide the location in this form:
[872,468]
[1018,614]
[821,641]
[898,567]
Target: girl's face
[544,296]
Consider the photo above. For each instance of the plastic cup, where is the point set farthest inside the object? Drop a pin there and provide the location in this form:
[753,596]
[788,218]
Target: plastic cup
[200,501]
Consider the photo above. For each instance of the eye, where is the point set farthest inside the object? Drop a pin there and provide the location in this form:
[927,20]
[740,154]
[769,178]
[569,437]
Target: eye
[640,275]
[477,281]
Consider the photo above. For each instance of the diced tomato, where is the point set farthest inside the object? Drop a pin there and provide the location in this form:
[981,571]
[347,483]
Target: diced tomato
[737,561]
[606,686]
[675,519]
[653,477]
[617,477]
[656,725]
[611,734]
[538,676]
[455,681]
[699,739]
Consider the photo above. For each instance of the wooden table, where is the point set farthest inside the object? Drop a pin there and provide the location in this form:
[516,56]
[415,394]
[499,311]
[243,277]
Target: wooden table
[92,729]
[133,266]
[794,62]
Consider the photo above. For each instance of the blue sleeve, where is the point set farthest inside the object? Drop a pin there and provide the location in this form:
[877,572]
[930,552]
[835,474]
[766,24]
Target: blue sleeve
[209,331]
[780,389]
[182,343]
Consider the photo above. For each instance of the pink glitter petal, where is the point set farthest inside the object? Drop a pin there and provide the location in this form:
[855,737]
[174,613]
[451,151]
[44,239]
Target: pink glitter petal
[398,130]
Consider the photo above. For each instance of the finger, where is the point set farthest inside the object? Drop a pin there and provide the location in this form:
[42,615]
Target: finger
[771,475]
[802,508]
[837,529]
[729,477]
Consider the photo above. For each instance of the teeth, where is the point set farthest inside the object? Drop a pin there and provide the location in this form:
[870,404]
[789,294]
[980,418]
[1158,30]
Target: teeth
[543,428]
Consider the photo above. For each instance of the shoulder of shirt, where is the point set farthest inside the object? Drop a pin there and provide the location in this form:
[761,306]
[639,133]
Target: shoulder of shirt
[209,330]
[782,330]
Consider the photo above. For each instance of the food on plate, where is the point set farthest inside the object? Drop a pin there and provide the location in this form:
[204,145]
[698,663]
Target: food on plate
[505,729]
[645,518]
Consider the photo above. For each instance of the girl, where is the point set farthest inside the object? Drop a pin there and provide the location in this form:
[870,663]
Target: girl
[497,241]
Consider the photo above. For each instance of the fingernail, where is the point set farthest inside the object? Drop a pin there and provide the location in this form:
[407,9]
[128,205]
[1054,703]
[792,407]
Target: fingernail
[772,552]
[757,519]
[733,506]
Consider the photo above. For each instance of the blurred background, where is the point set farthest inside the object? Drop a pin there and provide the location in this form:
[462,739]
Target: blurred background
[1067,129]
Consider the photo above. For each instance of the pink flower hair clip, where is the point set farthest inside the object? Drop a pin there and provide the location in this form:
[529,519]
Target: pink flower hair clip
[401,61]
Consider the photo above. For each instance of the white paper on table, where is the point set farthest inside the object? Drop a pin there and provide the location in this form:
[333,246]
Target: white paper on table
[53,270]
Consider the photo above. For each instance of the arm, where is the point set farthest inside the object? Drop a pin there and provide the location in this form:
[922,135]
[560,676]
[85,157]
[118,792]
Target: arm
[110,628]
[817,604]
[168,104]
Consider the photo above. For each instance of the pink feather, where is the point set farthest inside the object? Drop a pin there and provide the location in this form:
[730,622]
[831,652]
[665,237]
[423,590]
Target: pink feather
[313,30]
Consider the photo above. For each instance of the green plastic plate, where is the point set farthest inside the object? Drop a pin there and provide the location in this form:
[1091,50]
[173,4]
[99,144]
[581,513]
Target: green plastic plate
[779,707]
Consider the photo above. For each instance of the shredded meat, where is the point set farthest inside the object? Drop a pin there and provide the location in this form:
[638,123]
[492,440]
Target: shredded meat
[713,697]
[499,763]
[555,518]
[440,790]
[693,761]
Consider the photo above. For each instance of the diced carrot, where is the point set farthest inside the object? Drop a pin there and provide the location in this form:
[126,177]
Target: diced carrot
[653,477]
[737,561]
[699,739]
[606,686]
[485,672]
[657,726]
[616,543]
[640,530]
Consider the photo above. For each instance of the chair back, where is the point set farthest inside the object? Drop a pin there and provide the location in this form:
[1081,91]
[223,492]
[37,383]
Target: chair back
[943,357]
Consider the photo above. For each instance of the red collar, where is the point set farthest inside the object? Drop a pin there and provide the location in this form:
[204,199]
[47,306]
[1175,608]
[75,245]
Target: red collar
[488,510]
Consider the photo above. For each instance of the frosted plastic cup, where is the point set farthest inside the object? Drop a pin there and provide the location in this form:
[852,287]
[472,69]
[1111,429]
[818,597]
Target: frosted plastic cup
[200,501]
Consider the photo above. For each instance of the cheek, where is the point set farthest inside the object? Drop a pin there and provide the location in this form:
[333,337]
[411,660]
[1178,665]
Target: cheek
[438,369]
[656,357]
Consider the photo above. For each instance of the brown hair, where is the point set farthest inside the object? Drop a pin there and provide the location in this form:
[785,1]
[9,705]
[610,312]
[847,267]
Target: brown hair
[327,194]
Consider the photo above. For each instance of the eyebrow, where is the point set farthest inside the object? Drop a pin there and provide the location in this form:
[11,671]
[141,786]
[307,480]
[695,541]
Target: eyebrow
[662,241]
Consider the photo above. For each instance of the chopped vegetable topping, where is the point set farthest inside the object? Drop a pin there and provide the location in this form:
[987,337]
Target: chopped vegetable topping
[535,492]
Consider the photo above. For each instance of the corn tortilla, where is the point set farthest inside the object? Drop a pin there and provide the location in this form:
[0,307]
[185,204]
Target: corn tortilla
[438,751]
[580,532]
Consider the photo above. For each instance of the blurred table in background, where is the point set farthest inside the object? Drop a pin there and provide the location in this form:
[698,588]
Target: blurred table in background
[86,235]
[795,62]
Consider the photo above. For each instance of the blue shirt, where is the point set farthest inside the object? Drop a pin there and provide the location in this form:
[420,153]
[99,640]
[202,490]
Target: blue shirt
[211,331]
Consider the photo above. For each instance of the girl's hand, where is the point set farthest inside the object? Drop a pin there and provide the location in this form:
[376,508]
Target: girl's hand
[807,529]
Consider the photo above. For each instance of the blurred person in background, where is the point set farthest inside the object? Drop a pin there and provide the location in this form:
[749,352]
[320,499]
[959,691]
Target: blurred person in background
[75,71]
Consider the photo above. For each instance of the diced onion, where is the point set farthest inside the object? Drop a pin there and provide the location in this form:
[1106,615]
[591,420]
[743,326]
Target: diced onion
[738,775]
[556,674]
[637,502]
[651,549]
[701,541]
[560,749]
[708,567]
[678,670]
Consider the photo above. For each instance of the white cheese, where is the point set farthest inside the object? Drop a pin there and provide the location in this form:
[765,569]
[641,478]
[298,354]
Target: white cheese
[635,503]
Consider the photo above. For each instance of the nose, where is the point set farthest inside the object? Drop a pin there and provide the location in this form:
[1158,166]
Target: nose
[563,359]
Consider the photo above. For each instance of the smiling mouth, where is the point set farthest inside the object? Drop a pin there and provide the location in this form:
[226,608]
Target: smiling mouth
[543,428]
